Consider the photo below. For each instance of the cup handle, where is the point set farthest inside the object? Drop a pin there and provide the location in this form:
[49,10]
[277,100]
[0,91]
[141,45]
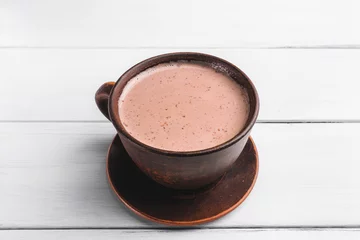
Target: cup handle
[102,98]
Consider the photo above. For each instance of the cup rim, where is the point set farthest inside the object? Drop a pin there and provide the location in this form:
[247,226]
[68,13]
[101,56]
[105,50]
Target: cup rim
[230,142]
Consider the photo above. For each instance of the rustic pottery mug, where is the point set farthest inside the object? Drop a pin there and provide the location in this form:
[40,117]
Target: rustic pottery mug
[179,170]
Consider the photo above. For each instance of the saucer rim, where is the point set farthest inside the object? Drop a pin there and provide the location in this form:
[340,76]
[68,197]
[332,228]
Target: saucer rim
[182,223]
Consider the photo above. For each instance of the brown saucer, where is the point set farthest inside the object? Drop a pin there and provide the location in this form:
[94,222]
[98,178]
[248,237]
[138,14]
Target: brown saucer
[180,207]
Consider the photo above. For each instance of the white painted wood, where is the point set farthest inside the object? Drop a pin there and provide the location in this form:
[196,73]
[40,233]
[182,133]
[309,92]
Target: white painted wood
[53,175]
[54,56]
[162,23]
[211,234]
[297,84]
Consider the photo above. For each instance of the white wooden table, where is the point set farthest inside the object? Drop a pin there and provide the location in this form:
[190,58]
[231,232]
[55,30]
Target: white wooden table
[303,56]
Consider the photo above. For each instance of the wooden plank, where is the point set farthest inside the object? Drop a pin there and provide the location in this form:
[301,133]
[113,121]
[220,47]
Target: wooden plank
[297,84]
[162,23]
[282,234]
[53,175]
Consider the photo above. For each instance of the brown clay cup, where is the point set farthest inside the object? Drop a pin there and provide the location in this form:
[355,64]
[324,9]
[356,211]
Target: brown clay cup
[179,170]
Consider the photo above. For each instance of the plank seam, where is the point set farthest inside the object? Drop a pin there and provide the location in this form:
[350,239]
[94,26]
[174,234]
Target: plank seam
[258,121]
[255,228]
[345,46]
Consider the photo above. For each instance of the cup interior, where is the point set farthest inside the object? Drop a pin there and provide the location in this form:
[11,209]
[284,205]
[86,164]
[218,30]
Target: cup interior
[217,63]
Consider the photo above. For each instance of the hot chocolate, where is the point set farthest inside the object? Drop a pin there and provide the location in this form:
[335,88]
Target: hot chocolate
[183,106]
